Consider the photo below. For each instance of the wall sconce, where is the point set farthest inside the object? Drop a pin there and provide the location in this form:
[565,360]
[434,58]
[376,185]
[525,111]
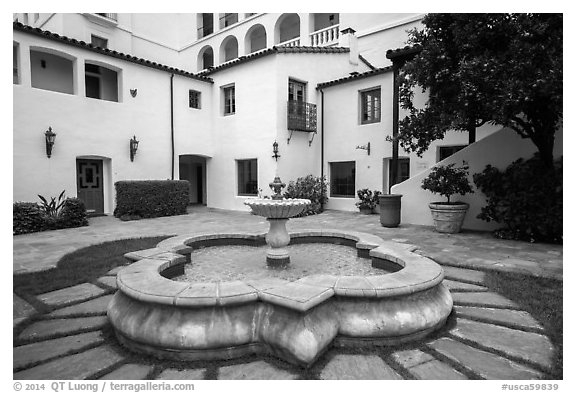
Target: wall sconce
[275,150]
[133,147]
[50,138]
[133,92]
[365,147]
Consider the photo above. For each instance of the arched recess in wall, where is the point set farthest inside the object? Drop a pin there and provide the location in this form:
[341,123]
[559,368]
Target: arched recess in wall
[103,81]
[205,58]
[255,39]
[228,49]
[52,69]
[287,28]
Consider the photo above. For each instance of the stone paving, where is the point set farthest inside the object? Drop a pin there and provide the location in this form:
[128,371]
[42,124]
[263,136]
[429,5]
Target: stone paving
[487,336]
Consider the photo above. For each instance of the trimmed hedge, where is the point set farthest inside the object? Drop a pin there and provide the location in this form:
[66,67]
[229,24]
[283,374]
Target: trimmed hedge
[28,217]
[137,199]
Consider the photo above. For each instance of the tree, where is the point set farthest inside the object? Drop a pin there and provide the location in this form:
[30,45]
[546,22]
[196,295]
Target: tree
[484,68]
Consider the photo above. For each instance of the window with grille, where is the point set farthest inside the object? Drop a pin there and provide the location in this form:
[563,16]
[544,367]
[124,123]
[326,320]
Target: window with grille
[343,179]
[194,99]
[370,106]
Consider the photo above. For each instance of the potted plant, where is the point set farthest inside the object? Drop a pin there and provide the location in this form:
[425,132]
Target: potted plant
[376,197]
[366,203]
[447,180]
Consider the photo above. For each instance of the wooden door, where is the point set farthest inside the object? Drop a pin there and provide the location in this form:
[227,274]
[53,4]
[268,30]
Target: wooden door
[90,184]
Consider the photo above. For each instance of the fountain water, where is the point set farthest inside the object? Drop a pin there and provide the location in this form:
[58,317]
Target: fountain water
[296,319]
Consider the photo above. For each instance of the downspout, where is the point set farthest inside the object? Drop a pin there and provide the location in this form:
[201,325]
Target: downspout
[322,141]
[395,117]
[172,121]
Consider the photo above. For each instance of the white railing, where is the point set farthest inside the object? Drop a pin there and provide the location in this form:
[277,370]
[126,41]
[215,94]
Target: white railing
[292,42]
[109,16]
[326,36]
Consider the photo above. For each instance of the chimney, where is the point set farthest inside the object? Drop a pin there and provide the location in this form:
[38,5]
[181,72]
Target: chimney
[349,40]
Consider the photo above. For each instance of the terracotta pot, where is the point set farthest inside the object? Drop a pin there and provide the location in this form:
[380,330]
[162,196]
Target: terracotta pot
[448,218]
[390,207]
[365,210]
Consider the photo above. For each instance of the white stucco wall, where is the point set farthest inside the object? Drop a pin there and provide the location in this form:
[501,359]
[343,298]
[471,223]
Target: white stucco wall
[92,128]
[499,149]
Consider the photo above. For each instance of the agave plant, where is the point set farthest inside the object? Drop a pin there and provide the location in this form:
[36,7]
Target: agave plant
[52,208]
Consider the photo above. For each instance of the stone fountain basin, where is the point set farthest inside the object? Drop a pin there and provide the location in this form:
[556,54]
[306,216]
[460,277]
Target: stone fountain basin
[284,208]
[296,321]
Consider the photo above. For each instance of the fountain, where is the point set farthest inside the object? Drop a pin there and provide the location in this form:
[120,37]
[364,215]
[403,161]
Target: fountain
[277,211]
[295,318]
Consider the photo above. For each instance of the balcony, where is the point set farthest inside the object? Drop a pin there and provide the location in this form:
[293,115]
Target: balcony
[114,17]
[103,19]
[301,116]
[292,42]
[325,37]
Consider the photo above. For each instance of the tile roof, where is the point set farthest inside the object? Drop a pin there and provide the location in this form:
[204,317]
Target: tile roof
[354,77]
[273,50]
[408,50]
[108,52]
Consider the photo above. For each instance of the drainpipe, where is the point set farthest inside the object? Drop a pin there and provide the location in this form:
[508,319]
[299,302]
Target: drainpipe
[172,121]
[395,116]
[322,140]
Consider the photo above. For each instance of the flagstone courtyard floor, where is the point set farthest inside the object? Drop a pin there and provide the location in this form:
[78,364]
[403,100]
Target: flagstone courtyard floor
[488,336]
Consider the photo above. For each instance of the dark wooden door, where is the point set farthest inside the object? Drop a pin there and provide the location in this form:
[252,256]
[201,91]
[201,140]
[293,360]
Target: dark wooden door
[90,185]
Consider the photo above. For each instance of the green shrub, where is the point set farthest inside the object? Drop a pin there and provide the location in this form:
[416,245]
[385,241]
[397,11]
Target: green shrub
[526,198]
[447,181]
[151,198]
[27,218]
[73,214]
[52,208]
[30,217]
[310,187]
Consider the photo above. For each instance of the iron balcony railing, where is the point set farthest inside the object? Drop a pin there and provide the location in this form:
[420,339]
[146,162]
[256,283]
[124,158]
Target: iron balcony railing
[301,116]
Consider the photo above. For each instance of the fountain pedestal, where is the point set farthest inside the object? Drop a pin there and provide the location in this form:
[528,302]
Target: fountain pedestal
[277,211]
[277,238]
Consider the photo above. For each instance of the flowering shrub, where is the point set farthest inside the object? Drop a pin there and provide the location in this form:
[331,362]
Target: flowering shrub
[367,200]
[310,187]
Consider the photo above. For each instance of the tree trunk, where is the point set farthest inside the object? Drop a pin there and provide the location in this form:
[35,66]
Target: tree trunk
[544,141]
[471,132]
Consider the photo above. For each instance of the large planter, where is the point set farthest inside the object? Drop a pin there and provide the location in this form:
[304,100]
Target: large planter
[448,218]
[390,207]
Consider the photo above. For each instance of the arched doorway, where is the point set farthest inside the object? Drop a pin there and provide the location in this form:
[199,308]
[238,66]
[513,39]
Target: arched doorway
[287,28]
[255,39]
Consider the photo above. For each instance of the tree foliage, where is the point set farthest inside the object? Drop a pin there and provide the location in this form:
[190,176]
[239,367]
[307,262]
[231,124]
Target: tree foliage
[484,68]
[447,180]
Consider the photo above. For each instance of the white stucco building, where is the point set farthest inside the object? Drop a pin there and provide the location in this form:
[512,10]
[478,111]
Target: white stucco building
[206,96]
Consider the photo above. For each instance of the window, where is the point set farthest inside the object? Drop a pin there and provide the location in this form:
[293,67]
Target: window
[247,177]
[194,99]
[296,91]
[343,179]
[98,41]
[228,20]
[370,106]
[229,94]
[447,151]
[36,17]
[101,82]
[15,63]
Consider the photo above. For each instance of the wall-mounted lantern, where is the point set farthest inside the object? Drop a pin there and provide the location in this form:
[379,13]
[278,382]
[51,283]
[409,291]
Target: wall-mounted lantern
[275,150]
[50,139]
[365,147]
[133,92]
[133,147]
